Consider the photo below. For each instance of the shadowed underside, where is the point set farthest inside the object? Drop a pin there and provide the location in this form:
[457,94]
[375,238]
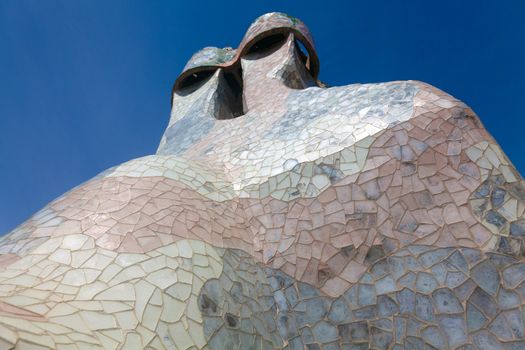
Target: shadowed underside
[281,214]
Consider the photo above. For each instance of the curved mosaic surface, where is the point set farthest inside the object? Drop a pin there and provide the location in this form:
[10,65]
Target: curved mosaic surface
[279,213]
[417,298]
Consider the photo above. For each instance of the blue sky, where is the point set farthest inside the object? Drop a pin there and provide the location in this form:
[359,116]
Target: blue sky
[85,85]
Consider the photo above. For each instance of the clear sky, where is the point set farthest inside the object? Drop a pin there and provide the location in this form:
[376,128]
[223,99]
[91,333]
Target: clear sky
[85,85]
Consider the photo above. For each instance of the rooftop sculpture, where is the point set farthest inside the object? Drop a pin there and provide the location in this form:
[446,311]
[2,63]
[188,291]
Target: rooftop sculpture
[279,213]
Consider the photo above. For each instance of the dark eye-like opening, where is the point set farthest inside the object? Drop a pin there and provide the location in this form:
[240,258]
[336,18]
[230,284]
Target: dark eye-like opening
[271,43]
[194,81]
[267,44]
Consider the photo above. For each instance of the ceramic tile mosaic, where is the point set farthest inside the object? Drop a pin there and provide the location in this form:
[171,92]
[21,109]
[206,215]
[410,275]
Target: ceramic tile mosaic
[279,213]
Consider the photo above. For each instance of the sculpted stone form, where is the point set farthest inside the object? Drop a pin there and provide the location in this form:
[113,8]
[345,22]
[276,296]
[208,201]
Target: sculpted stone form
[279,213]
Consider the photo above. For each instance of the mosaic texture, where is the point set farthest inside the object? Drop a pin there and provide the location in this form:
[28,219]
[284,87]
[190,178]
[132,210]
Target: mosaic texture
[279,213]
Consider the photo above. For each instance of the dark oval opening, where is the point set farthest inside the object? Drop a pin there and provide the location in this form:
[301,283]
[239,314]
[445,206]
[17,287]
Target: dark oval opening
[267,44]
[194,81]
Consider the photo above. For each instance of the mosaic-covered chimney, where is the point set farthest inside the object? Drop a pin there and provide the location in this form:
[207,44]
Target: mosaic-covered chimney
[279,213]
